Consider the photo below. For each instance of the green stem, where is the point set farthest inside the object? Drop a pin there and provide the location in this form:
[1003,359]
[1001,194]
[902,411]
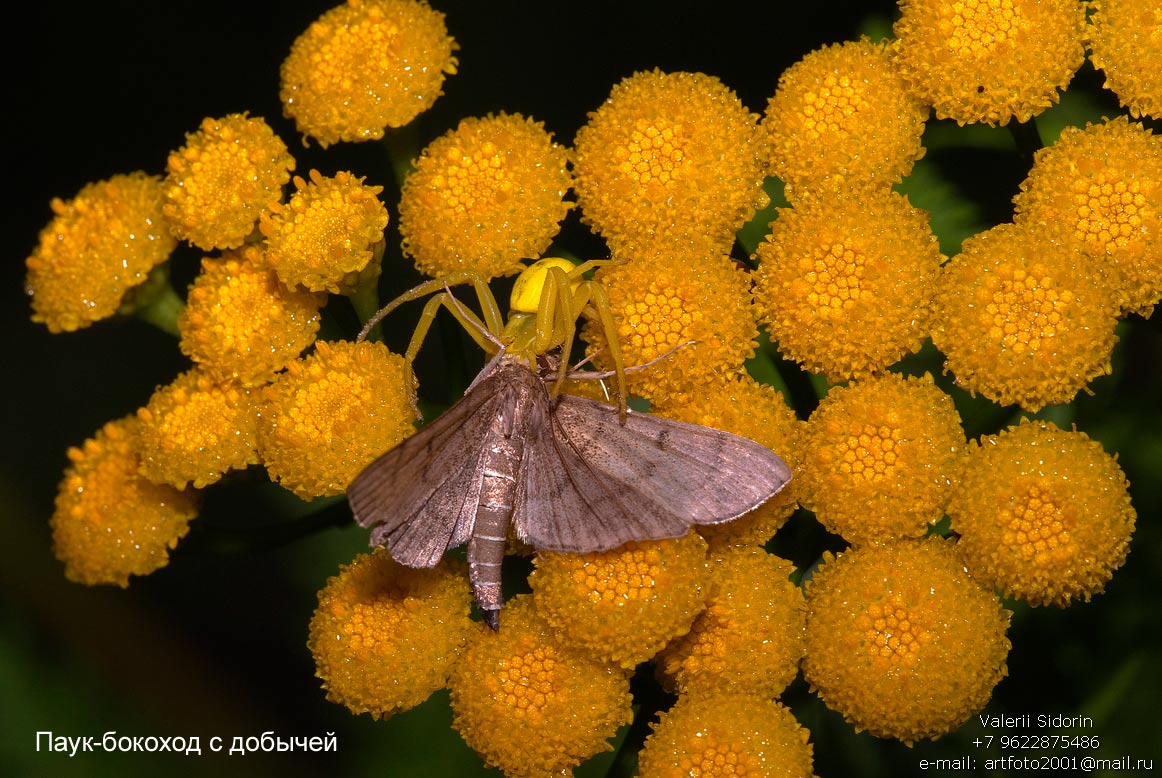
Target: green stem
[207,539]
[1027,138]
[403,146]
[653,700]
[365,300]
[156,302]
[364,295]
[764,370]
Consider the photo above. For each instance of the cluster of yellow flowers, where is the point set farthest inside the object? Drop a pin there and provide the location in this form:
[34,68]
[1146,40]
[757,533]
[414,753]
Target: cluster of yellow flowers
[904,635]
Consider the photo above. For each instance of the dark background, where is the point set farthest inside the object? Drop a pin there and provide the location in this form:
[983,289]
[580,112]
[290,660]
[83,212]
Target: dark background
[214,644]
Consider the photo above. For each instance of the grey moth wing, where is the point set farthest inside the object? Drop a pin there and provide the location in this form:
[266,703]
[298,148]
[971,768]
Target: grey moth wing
[587,483]
[420,498]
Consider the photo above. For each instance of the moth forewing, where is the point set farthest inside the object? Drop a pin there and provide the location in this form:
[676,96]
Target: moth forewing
[420,498]
[565,471]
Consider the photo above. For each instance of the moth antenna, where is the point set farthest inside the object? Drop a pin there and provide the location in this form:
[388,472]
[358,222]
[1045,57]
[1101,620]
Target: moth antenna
[597,376]
[488,369]
[583,361]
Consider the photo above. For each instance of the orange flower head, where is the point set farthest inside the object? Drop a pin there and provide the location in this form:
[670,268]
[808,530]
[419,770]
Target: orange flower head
[1125,38]
[1043,514]
[728,734]
[109,522]
[528,703]
[666,155]
[901,641]
[989,61]
[98,247]
[195,429]
[1099,190]
[845,282]
[1023,320]
[331,413]
[751,634]
[879,456]
[484,197]
[385,636]
[842,114]
[663,301]
[364,66]
[241,324]
[217,184]
[624,605]
[324,238]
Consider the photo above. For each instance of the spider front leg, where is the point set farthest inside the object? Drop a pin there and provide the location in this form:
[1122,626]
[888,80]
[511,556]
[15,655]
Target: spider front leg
[597,300]
[494,323]
[556,322]
[486,333]
[591,300]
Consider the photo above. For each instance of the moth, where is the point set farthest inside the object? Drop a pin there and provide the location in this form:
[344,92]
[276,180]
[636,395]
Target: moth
[565,472]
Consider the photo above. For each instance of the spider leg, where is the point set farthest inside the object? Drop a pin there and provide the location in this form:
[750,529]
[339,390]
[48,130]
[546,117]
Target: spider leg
[494,321]
[593,264]
[485,332]
[557,319]
[599,300]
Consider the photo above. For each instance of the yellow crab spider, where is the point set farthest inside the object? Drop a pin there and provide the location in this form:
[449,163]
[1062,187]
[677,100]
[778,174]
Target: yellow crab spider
[547,299]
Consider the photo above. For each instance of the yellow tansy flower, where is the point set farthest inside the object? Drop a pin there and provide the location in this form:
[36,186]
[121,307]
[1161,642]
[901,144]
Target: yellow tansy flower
[109,522]
[989,60]
[217,184]
[845,283]
[325,235]
[1023,320]
[751,634]
[743,406]
[385,636]
[1043,514]
[668,154]
[195,429]
[331,413]
[879,456]
[484,196]
[901,640]
[727,735]
[1125,38]
[529,704]
[364,66]
[841,115]
[624,605]
[241,324]
[1100,190]
[98,246]
[664,301]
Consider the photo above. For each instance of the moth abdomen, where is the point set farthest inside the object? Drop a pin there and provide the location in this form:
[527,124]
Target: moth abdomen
[489,536]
